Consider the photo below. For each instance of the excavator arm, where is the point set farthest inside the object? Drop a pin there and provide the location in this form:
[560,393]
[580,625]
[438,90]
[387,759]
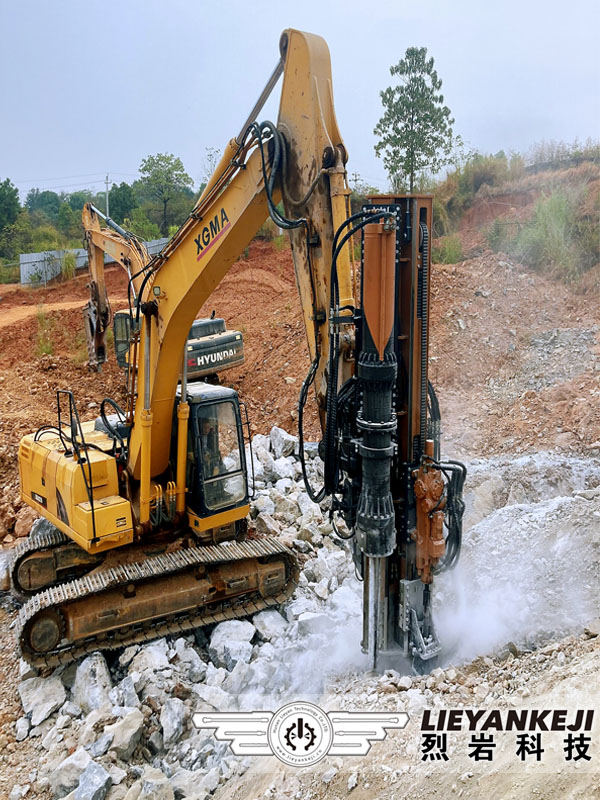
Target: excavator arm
[124,248]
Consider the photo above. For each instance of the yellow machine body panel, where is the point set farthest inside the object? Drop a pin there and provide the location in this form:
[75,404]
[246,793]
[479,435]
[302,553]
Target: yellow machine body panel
[217,520]
[53,484]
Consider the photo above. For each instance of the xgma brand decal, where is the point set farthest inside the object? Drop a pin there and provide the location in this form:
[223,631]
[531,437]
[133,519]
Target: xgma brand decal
[211,233]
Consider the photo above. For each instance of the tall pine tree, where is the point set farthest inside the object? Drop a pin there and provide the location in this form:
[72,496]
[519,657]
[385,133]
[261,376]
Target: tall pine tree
[416,129]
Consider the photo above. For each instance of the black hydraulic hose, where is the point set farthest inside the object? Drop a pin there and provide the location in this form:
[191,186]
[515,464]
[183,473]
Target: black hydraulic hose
[331,466]
[139,298]
[129,285]
[112,431]
[288,224]
[316,497]
[269,181]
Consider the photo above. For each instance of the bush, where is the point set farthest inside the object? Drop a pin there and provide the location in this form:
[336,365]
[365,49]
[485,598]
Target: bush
[139,224]
[10,273]
[267,231]
[67,266]
[447,250]
[548,240]
[558,238]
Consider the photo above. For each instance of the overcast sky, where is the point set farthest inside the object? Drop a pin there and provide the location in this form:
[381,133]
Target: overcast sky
[93,87]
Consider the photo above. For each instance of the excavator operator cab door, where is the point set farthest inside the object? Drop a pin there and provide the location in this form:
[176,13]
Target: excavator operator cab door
[122,336]
[216,478]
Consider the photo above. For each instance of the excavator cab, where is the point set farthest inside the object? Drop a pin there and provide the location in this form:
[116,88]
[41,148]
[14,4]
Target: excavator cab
[216,474]
[122,337]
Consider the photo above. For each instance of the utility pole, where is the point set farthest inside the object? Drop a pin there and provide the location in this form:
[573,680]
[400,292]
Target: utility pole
[107,211]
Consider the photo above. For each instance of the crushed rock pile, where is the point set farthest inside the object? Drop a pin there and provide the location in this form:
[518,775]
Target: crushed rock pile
[119,725]
[529,566]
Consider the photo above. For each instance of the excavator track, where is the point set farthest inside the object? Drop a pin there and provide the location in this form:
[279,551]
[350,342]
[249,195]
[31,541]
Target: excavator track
[40,540]
[50,612]
[45,546]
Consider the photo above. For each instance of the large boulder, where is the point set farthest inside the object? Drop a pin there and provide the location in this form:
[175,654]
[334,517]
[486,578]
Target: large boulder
[282,442]
[24,523]
[185,785]
[151,658]
[234,652]
[66,776]
[226,637]
[270,624]
[265,523]
[263,505]
[190,661]
[268,464]
[41,697]
[215,697]
[126,733]
[308,509]
[155,786]
[92,683]
[94,783]
[259,440]
[283,468]
[124,694]
[172,720]
[311,622]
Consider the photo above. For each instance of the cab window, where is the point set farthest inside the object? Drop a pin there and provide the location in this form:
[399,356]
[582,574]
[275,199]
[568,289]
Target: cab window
[218,450]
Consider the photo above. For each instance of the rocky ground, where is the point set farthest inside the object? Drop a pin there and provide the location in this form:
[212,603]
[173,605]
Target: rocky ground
[515,619]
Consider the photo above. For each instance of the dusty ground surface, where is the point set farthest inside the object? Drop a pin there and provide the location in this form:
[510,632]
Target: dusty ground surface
[516,362]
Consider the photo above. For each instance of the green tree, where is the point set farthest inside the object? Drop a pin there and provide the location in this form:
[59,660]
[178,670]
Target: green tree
[163,176]
[68,221]
[139,224]
[47,202]
[78,199]
[9,204]
[122,201]
[18,237]
[415,132]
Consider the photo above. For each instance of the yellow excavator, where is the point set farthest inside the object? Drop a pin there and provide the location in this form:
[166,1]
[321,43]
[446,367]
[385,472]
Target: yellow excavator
[148,505]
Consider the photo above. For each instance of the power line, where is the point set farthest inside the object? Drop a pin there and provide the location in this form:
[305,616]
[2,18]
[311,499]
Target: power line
[56,178]
[97,179]
[85,185]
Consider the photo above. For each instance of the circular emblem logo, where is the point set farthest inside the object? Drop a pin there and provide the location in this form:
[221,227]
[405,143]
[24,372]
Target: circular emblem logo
[300,734]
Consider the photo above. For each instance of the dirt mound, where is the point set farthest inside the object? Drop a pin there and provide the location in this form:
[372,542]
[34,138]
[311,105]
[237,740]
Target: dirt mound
[515,358]
[487,209]
[57,291]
